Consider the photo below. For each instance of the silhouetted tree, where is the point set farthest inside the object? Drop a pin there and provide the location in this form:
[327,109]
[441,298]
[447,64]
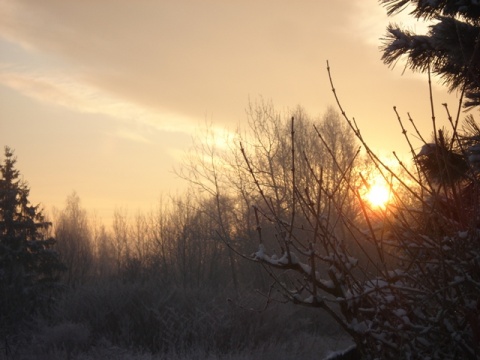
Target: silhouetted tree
[29,265]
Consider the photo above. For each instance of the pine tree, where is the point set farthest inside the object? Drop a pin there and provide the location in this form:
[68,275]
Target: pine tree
[29,266]
[450,49]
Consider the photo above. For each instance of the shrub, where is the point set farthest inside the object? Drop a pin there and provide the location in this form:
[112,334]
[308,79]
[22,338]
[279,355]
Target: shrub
[415,292]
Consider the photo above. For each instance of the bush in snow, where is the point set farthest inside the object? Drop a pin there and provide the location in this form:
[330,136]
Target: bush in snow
[413,288]
[403,280]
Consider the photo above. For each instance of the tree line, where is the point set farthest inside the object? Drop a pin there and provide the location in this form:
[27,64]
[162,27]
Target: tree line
[198,240]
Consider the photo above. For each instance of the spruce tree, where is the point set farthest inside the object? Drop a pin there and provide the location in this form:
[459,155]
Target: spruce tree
[29,265]
[450,49]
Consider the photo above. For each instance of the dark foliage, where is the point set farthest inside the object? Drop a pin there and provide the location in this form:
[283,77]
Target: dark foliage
[28,263]
[449,49]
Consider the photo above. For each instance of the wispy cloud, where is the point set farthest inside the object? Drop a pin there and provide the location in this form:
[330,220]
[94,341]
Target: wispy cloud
[75,95]
[128,134]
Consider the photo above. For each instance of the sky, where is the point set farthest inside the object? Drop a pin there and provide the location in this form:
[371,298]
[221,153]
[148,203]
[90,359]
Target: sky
[103,97]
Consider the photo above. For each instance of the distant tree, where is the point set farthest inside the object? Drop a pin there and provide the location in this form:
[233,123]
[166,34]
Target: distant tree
[219,173]
[74,241]
[29,265]
[104,250]
[450,49]
[120,238]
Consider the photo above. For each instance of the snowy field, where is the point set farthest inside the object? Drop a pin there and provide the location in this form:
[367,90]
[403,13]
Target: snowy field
[141,322]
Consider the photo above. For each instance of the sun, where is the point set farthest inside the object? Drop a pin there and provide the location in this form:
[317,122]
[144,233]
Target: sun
[378,194]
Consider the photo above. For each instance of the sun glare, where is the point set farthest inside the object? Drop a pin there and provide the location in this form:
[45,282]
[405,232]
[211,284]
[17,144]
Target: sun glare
[378,195]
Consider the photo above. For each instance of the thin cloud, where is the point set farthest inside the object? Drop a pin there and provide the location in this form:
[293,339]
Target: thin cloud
[130,135]
[71,93]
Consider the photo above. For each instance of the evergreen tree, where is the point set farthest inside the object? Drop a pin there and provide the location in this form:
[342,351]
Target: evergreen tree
[29,266]
[450,49]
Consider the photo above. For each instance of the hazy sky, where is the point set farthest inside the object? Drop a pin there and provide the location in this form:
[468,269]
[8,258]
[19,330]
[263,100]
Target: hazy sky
[103,96]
